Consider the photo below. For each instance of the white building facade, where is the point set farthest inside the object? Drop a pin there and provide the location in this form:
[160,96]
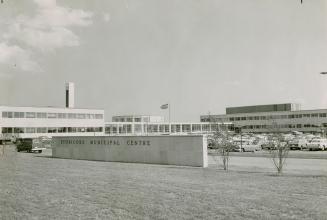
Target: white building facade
[261,119]
[32,122]
[155,125]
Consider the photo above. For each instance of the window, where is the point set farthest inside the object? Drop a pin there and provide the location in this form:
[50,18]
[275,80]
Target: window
[52,115]
[298,126]
[18,130]
[80,130]
[196,127]
[41,130]
[243,118]
[256,117]
[61,130]
[314,115]
[98,129]
[205,127]
[90,129]
[62,115]
[5,114]
[30,114]
[137,119]
[16,115]
[71,115]
[81,116]
[7,130]
[30,130]
[52,130]
[250,118]
[306,116]
[41,115]
[71,130]
[166,128]
[322,115]
[9,114]
[100,116]
[186,128]
[263,117]
[161,128]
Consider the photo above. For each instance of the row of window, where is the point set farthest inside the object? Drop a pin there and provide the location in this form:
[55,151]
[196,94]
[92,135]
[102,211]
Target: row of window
[19,130]
[127,120]
[50,115]
[269,117]
[282,126]
[130,119]
[152,128]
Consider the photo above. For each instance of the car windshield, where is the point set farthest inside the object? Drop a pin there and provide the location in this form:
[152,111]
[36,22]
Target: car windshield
[315,141]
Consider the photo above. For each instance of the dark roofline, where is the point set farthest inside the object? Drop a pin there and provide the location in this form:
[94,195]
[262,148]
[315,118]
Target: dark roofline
[56,107]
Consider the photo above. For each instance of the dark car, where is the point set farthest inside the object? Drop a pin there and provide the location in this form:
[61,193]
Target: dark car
[24,144]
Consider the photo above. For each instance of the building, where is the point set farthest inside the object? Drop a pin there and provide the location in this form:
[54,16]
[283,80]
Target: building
[155,125]
[262,118]
[137,118]
[32,122]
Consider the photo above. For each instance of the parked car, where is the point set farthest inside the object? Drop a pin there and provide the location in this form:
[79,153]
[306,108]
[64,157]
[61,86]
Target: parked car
[317,144]
[246,146]
[298,144]
[28,145]
[24,144]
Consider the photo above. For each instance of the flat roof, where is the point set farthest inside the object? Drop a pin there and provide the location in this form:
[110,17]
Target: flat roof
[272,113]
[53,107]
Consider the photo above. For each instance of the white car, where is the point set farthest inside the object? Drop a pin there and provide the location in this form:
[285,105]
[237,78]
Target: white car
[37,150]
[317,144]
[298,144]
[246,146]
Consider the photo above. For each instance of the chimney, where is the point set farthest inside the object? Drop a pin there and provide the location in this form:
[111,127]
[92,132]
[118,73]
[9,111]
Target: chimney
[70,101]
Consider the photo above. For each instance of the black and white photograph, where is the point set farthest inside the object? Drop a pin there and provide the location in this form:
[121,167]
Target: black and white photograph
[163,109]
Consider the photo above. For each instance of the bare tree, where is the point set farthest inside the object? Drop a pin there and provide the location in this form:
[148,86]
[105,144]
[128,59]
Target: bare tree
[278,148]
[220,140]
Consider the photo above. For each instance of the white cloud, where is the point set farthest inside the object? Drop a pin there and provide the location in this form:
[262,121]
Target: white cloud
[106,17]
[47,30]
[17,57]
[53,38]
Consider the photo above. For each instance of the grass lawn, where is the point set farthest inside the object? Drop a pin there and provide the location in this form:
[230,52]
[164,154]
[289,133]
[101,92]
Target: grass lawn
[39,187]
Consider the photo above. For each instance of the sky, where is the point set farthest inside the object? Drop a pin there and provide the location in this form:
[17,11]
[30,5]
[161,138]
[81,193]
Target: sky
[132,56]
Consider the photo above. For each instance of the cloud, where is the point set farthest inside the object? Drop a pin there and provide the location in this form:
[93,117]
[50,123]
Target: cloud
[48,30]
[17,57]
[106,17]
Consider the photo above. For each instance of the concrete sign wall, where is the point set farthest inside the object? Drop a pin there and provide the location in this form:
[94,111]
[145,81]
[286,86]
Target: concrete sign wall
[173,150]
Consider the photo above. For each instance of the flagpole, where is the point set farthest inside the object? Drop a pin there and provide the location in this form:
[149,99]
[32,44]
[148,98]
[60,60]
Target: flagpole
[169,118]
[169,112]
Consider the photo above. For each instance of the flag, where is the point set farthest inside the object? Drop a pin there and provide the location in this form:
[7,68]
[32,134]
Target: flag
[165,106]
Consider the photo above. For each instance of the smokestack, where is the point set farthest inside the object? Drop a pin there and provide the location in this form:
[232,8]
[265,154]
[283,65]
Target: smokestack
[70,101]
